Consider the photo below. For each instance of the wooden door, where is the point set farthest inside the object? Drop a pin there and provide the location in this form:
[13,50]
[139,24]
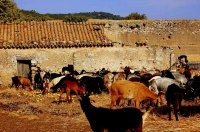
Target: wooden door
[24,68]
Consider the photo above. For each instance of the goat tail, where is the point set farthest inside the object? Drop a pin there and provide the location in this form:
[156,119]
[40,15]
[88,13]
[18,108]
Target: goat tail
[146,114]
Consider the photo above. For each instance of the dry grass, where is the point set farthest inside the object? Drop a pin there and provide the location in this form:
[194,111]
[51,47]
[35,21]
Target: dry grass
[23,110]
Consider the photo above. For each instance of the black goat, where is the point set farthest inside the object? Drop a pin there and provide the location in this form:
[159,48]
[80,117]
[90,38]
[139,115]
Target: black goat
[15,81]
[118,120]
[192,87]
[93,84]
[174,95]
[167,73]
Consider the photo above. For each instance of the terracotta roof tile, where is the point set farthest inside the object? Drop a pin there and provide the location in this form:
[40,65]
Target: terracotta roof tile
[51,32]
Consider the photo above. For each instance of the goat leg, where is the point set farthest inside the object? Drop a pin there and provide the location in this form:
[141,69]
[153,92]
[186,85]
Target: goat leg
[180,106]
[68,94]
[175,110]
[169,110]
[61,91]
[117,103]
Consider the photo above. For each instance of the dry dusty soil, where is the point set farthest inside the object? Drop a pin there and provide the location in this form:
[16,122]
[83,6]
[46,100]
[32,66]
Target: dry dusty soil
[29,111]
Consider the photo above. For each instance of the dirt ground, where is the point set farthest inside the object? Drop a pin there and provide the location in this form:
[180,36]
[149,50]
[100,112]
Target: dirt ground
[30,111]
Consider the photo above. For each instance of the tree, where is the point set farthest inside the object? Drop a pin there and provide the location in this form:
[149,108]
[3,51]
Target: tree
[9,11]
[135,16]
[76,18]
[32,15]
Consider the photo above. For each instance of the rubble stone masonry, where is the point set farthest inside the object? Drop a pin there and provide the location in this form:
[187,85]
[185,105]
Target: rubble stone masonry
[181,35]
[142,43]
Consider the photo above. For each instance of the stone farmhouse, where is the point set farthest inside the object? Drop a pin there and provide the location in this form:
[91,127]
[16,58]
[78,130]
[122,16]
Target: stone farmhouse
[95,44]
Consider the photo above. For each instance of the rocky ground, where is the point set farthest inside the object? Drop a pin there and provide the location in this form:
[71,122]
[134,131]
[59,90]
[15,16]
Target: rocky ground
[24,110]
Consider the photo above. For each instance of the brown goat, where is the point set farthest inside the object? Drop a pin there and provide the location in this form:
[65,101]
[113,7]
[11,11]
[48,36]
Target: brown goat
[136,91]
[24,82]
[68,86]
[189,73]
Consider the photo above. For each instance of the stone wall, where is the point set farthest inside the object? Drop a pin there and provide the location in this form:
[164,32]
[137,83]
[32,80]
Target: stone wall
[145,43]
[90,59]
[48,59]
[181,35]
[115,58]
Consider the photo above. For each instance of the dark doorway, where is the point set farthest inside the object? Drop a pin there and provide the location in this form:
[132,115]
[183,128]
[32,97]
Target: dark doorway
[24,68]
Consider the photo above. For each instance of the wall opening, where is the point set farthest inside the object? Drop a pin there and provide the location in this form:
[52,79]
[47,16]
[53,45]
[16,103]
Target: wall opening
[24,68]
[120,26]
[131,27]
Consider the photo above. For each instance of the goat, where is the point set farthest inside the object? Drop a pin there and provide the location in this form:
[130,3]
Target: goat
[137,91]
[53,82]
[45,85]
[56,84]
[108,80]
[174,95]
[192,88]
[93,84]
[24,82]
[118,120]
[15,81]
[194,73]
[68,86]
[160,85]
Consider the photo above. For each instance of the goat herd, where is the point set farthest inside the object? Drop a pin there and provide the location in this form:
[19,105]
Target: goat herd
[135,88]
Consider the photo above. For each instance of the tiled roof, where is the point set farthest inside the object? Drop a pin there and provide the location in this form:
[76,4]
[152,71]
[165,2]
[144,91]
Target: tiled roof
[52,34]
